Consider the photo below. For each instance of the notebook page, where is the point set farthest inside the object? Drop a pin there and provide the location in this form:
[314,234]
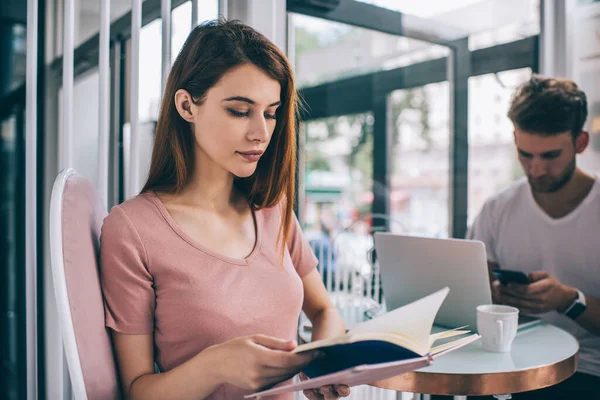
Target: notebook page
[457,343]
[447,334]
[414,320]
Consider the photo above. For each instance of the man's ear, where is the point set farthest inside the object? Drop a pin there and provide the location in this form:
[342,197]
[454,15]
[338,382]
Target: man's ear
[185,105]
[582,141]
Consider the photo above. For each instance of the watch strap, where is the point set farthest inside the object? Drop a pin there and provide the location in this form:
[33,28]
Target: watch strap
[578,306]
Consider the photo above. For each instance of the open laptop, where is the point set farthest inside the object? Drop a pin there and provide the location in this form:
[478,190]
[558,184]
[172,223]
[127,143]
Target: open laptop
[414,267]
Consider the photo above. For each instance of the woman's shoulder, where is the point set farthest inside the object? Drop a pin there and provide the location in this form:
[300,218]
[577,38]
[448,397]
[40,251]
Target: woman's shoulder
[270,218]
[136,212]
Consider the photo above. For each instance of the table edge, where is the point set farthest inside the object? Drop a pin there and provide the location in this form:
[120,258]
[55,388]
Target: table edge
[482,384]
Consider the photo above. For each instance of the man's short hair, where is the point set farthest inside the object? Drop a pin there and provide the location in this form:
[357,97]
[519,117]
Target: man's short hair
[549,106]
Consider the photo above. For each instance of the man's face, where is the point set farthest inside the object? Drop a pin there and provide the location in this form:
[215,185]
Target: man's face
[548,161]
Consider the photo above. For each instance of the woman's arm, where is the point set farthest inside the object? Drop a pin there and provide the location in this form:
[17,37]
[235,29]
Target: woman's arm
[251,363]
[135,356]
[325,318]
[326,322]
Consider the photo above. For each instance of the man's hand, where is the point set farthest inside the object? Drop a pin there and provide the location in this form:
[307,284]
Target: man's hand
[329,392]
[544,293]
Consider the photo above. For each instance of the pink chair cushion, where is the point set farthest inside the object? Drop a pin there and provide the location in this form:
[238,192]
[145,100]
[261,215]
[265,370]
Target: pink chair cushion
[82,215]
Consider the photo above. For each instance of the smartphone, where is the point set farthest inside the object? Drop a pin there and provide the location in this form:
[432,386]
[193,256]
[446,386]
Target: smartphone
[509,276]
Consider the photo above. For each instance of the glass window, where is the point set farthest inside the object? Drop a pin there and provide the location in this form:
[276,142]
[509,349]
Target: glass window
[420,160]
[150,71]
[338,171]
[87,17]
[85,124]
[12,254]
[181,25]
[181,21]
[491,147]
[487,22]
[12,66]
[208,10]
[338,159]
[589,82]
[149,74]
[327,51]
[339,144]
[151,52]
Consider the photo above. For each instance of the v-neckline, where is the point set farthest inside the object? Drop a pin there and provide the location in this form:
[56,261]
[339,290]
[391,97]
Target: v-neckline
[568,217]
[256,216]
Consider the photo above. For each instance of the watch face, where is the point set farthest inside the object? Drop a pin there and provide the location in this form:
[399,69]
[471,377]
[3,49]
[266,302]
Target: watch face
[576,310]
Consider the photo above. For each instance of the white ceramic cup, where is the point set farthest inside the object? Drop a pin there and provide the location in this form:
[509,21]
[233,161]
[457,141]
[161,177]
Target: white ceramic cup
[497,326]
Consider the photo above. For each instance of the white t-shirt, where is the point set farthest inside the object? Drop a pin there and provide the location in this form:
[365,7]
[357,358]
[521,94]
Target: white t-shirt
[519,235]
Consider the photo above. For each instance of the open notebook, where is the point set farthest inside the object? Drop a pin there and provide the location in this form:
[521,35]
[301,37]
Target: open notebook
[391,344]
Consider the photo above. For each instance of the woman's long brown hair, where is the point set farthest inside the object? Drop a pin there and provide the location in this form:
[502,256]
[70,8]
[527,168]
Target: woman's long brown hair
[211,50]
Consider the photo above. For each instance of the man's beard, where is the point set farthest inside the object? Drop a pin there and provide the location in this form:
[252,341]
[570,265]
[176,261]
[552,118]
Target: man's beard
[548,184]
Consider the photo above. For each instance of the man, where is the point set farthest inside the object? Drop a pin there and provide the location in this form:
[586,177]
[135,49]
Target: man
[548,226]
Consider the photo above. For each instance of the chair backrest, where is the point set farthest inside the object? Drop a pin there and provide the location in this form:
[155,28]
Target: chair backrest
[76,215]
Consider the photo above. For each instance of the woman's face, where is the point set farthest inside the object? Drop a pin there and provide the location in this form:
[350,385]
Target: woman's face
[234,124]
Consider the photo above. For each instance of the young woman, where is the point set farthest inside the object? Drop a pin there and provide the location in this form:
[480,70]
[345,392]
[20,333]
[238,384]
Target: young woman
[206,271]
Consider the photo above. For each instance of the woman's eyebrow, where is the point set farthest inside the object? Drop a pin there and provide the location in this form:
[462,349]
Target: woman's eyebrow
[249,101]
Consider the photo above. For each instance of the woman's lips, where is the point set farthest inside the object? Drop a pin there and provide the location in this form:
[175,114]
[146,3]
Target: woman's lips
[251,156]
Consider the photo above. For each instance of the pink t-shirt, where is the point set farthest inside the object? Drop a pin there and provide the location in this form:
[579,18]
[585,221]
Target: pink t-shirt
[156,279]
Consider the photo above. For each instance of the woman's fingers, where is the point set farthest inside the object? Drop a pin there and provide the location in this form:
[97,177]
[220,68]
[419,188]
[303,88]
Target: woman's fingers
[342,390]
[274,343]
[313,394]
[328,392]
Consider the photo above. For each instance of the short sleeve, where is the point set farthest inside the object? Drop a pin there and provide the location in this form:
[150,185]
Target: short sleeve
[303,257]
[483,230]
[127,285]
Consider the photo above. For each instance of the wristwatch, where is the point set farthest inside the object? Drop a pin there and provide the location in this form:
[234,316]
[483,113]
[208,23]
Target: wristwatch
[577,307]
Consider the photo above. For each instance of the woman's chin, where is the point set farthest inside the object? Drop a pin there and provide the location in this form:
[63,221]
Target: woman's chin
[244,172]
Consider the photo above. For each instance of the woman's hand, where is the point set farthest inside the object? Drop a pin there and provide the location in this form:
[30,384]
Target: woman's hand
[329,392]
[254,362]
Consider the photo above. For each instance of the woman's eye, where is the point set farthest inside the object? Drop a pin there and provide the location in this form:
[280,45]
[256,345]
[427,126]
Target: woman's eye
[271,116]
[236,113]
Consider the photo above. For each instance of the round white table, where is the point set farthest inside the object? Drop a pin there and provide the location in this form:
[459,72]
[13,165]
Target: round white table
[541,356]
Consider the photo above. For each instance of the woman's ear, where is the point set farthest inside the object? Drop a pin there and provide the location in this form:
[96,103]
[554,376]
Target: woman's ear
[185,105]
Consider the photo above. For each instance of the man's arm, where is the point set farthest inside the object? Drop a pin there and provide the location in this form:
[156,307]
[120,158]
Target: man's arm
[546,293]
[590,318]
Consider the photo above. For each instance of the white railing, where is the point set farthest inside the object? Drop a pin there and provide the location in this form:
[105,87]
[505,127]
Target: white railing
[369,393]
[352,278]
[348,265]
